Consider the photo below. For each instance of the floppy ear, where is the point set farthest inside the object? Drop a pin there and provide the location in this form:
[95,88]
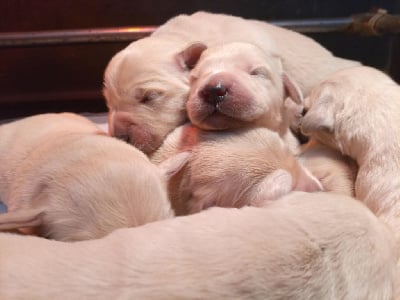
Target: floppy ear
[320,117]
[174,164]
[307,182]
[188,57]
[292,90]
[280,183]
[23,218]
[272,187]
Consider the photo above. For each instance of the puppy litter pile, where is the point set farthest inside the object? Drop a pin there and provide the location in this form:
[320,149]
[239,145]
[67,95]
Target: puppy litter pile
[199,187]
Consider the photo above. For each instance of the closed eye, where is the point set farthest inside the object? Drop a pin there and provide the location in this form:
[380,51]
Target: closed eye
[261,71]
[147,96]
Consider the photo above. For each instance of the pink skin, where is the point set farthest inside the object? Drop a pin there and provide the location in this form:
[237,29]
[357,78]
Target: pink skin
[236,108]
[137,135]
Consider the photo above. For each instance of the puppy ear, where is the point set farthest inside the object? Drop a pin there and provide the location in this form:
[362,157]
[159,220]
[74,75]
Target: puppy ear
[272,187]
[292,89]
[23,218]
[307,182]
[174,164]
[319,117]
[188,57]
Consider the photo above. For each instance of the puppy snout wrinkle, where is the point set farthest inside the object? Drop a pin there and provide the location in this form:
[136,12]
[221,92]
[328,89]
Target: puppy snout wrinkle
[120,128]
[214,93]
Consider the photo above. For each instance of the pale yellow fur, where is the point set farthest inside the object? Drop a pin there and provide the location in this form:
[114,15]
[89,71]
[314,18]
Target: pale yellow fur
[357,111]
[72,183]
[305,246]
[336,172]
[232,168]
[153,65]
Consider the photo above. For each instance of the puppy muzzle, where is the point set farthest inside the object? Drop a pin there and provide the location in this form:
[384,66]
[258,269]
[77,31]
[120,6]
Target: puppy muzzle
[214,94]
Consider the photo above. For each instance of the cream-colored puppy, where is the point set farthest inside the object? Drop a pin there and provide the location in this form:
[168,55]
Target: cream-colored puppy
[146,84]
[237,85]
[232,168]
[336,172]
[303,246]
[59,176]
[358,112]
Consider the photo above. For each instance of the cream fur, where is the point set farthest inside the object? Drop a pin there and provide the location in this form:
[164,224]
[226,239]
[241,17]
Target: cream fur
[336,172]
[60,176]
[146,84]
[232,168]
[256,88]
[304,246]
[358,112]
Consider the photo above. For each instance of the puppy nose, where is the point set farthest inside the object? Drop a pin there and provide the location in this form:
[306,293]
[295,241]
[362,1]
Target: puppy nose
[214,93]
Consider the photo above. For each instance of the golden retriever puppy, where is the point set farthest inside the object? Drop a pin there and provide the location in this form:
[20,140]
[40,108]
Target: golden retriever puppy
[336,172]
[146,85]
[232,168]
[358,112]
[237,85]
[62,178]
[303,246]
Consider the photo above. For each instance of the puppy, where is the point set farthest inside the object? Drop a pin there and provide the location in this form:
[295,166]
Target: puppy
[303,246]
[358,112]
[66,181]
[146,84]
[232,168]
[336,172]
[237,85]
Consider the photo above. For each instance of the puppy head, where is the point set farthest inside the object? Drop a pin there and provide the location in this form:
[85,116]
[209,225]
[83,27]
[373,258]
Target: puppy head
[320,118]
[238,85]
[145,86]
[352,110]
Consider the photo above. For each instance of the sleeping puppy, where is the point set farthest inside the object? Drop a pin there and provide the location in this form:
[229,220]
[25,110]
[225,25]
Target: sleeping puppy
[62,178]
[146,85]
[232,168]
[237,85]
[358,112]
[303,246]
[146,90]
[336,172]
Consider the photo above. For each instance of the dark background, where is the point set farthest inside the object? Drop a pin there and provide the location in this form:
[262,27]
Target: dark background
[69,77]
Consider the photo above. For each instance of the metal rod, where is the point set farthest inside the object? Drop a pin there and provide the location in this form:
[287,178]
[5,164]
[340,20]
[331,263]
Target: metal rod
[63,37]
[383,23]
[316,25]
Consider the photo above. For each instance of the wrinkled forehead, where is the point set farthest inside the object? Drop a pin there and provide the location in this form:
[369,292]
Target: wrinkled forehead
[140,66]
[240,56]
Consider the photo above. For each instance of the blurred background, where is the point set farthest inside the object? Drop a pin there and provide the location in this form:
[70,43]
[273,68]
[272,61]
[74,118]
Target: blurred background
[68,77]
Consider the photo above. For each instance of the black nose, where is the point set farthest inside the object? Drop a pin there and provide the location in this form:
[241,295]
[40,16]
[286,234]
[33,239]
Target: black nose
[214,93]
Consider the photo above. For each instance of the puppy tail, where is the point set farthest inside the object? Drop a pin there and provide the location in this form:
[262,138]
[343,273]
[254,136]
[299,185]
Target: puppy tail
[32,217]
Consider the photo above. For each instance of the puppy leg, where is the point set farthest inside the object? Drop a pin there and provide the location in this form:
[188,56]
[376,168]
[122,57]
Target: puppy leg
[21,219]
